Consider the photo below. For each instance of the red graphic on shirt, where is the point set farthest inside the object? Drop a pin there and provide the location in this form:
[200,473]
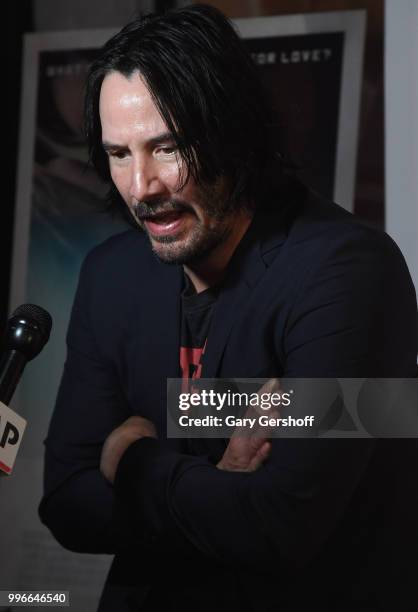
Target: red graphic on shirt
[191,366]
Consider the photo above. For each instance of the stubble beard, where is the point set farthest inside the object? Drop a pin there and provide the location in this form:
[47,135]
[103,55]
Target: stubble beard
[200,240]
[192,249]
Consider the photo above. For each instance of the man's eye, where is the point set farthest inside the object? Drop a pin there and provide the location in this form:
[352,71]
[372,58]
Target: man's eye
[166,151]
[117,154]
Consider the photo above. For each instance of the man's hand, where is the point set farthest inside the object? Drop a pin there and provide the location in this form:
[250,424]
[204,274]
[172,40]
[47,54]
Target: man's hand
[244,454]
[247,451]
[118,441]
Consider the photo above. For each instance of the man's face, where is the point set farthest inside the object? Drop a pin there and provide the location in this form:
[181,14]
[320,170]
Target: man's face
[183,225]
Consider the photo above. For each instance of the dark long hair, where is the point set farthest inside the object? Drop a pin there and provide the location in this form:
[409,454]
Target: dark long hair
[207,90]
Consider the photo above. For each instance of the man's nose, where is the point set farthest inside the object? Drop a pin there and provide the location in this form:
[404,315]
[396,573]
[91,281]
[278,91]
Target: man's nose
[145,180]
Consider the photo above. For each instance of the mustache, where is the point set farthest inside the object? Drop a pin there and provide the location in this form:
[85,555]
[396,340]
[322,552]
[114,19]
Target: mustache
[145,210]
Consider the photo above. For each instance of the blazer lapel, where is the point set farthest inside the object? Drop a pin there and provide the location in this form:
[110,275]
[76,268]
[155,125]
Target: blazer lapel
[245,269]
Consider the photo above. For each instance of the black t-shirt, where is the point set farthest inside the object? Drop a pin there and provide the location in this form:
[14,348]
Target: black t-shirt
[196,315]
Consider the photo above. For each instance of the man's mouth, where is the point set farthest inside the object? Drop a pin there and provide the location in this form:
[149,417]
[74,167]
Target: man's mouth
[165,223]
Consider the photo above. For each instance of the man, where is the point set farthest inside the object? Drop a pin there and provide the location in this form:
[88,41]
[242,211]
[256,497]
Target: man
[265,280]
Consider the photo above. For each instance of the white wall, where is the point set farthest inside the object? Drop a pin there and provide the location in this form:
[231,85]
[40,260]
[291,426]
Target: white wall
[401,127]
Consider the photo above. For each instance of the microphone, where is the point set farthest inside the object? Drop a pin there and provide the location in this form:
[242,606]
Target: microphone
[27,332]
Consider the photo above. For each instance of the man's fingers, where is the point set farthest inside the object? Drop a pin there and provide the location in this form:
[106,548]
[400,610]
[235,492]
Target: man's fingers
[256,442]
[271,386]
[259,458]
[265,450]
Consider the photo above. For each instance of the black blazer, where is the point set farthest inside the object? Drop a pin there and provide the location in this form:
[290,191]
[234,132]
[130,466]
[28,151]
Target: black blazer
[310,292]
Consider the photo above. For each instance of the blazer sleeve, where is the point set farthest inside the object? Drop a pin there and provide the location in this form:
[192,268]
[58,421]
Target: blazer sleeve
[78,503]
[354,316]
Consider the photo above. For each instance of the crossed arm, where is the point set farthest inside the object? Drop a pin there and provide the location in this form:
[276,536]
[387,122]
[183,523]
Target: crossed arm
[243,453]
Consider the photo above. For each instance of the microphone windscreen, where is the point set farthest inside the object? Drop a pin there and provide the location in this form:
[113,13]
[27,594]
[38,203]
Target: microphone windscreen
[38,315]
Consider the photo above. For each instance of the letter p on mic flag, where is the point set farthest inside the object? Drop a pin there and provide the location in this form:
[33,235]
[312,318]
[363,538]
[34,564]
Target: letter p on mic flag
[12,427]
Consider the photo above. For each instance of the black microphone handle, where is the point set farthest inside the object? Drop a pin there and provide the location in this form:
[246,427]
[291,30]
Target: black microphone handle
[11,369]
